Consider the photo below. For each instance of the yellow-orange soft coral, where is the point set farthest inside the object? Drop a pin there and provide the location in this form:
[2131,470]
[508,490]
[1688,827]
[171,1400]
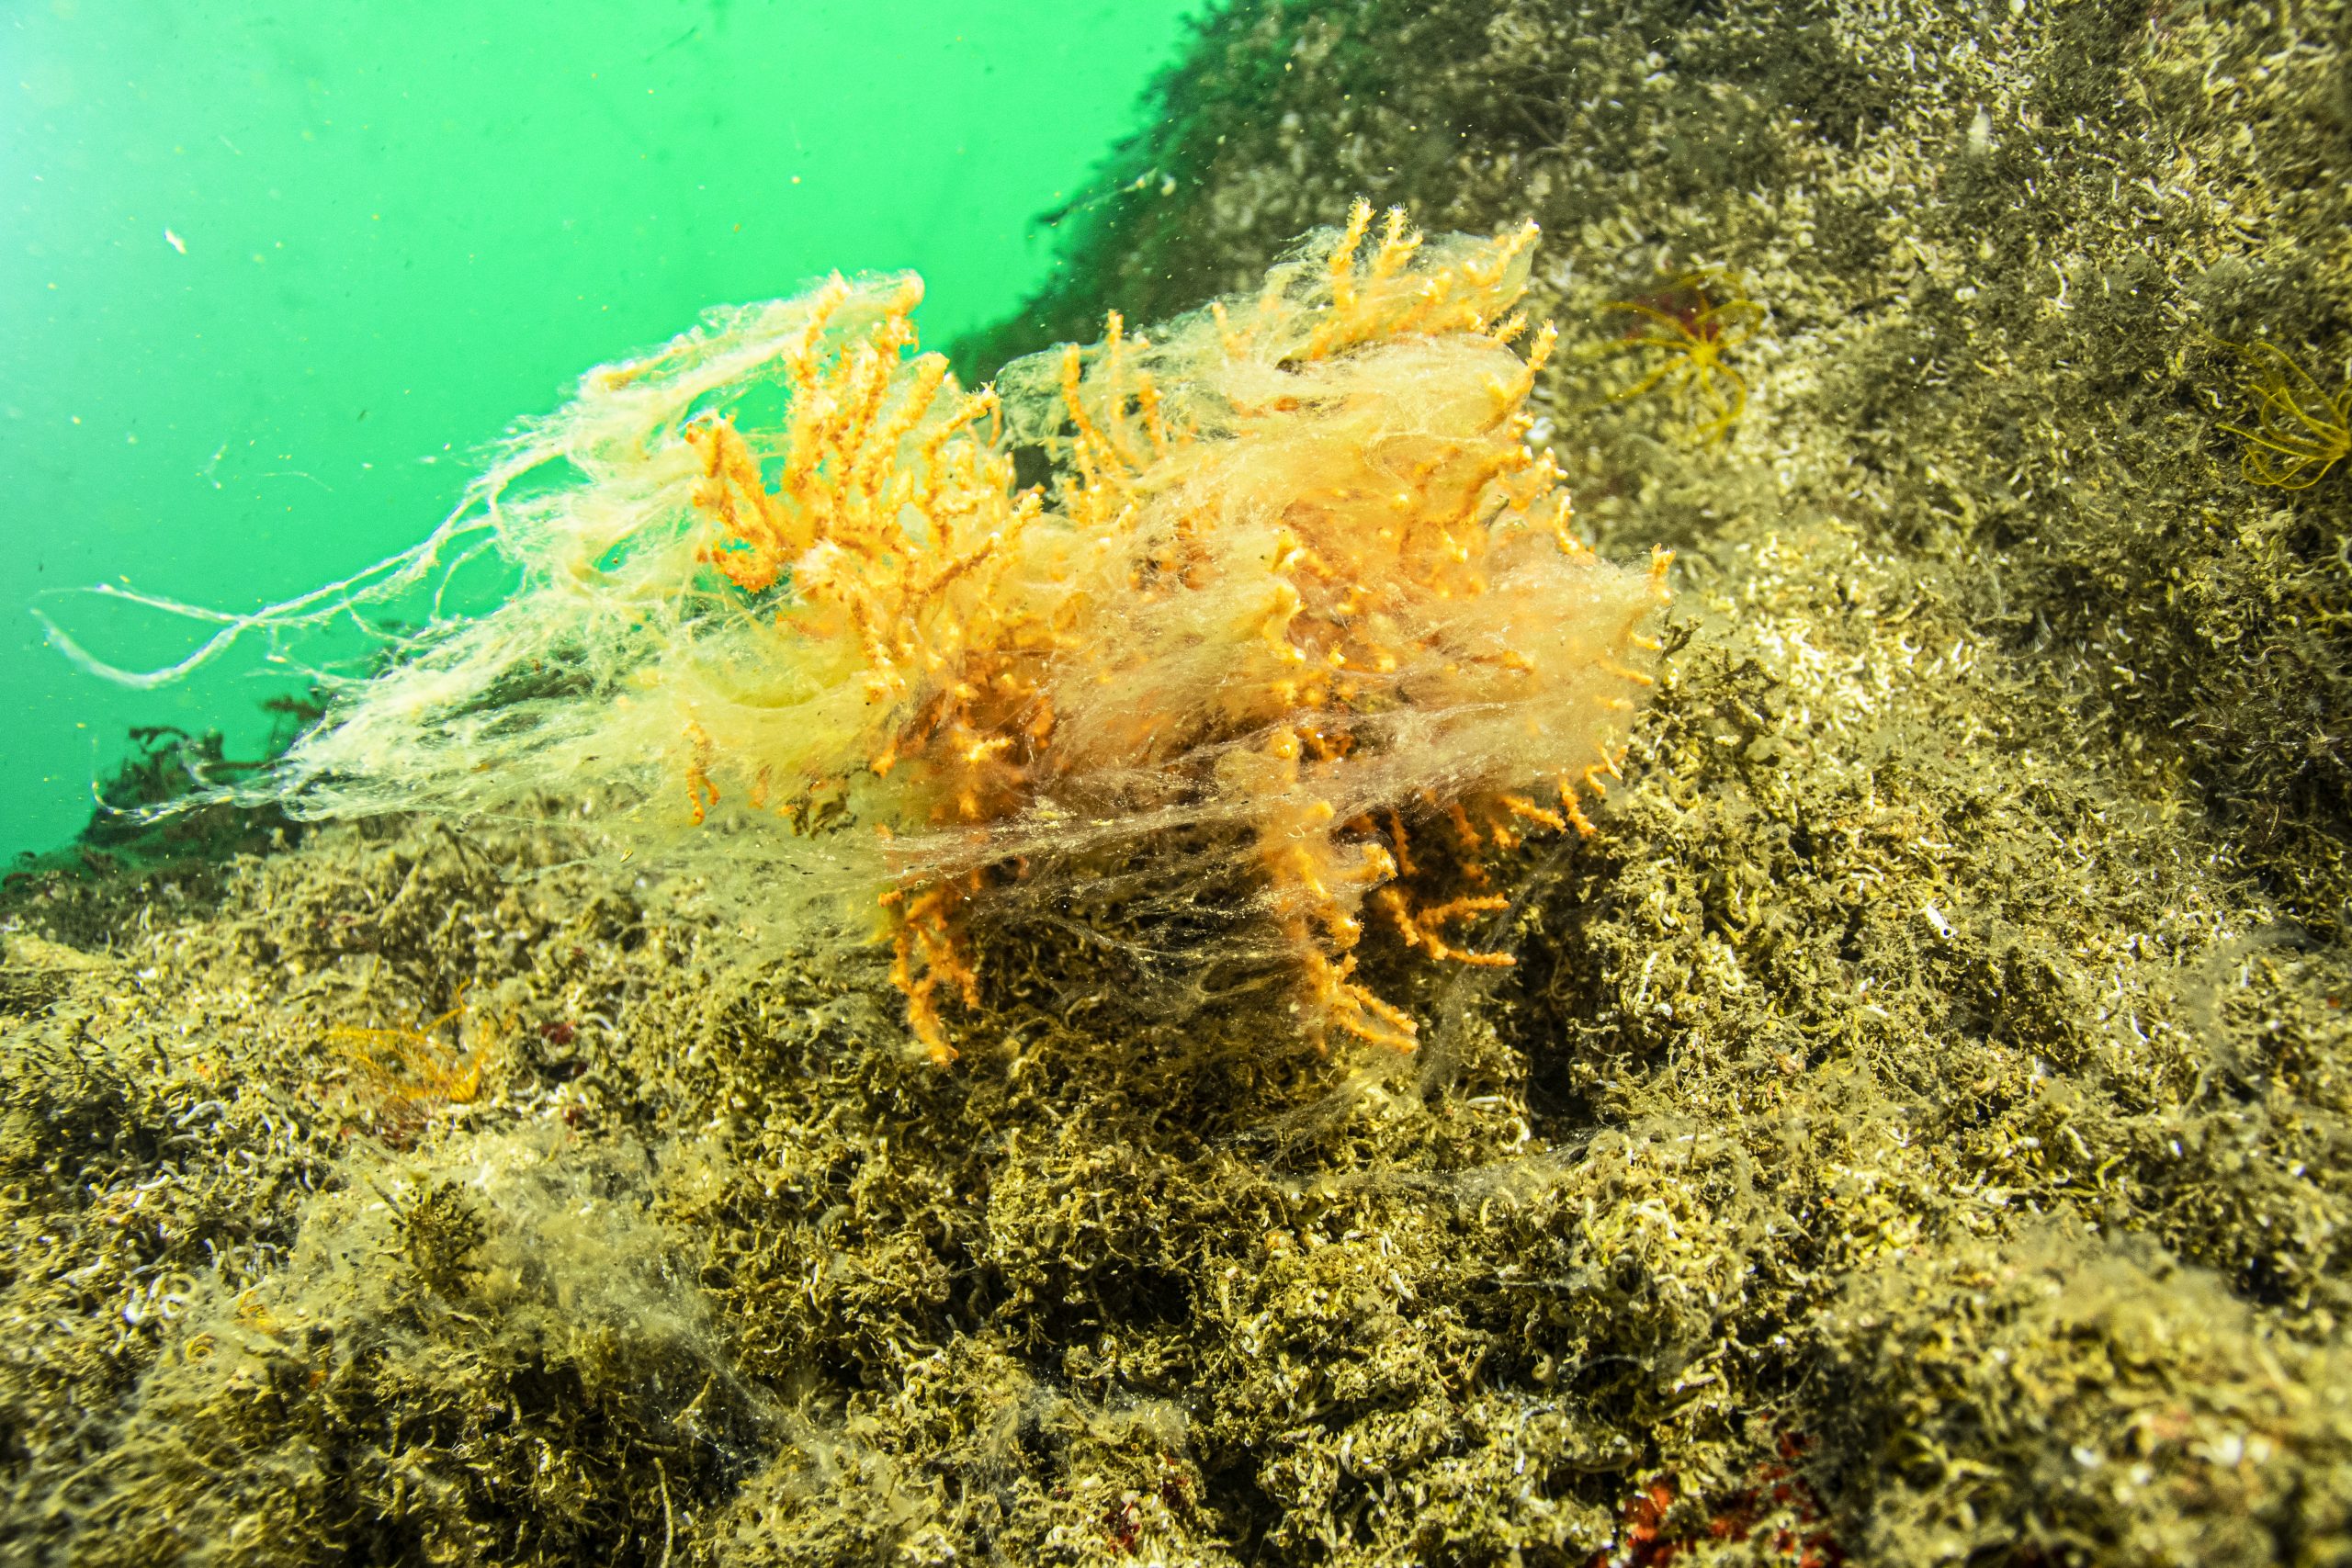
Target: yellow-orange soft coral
[1301,565]
[1300,598]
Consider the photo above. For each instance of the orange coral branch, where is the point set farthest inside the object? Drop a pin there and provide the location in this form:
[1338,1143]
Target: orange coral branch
[1269,537]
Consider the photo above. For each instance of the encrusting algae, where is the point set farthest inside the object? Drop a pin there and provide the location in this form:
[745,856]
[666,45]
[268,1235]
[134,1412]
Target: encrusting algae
[1300,595]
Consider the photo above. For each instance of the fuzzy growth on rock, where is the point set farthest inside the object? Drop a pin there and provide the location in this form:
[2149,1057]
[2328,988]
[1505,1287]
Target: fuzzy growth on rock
[1299,598]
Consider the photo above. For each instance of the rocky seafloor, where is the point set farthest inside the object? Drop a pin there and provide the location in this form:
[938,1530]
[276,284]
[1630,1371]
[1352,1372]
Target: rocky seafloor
[1914,1131]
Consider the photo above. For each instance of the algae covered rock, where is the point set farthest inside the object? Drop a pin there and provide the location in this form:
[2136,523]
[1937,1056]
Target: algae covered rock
[1914,1126]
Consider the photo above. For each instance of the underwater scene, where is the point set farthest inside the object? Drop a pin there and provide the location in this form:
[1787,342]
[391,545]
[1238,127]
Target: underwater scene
[1241,782]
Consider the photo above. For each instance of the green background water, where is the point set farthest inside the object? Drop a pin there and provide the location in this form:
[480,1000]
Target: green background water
[275,275]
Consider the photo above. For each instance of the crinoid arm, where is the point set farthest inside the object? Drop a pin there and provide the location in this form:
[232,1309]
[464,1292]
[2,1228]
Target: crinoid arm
[1690,326]
[2299,430]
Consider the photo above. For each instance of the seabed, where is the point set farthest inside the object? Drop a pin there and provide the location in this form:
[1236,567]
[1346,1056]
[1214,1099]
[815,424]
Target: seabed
[1915,1127]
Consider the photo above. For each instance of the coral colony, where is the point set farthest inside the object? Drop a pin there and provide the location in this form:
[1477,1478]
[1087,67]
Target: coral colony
[1298,589]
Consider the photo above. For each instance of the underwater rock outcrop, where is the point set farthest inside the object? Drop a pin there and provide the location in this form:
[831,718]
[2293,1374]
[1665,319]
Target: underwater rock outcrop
[1916,1127]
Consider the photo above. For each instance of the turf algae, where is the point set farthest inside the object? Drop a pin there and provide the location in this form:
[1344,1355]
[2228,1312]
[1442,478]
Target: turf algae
[1914,1129]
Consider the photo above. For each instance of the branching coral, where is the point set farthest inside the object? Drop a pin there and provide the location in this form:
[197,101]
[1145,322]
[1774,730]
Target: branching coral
[1300,589]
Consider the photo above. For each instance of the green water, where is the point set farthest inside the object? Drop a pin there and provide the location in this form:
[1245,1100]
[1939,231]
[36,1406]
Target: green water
[274,276]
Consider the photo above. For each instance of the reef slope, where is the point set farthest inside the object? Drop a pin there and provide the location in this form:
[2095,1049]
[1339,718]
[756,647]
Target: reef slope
[1915,1130]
